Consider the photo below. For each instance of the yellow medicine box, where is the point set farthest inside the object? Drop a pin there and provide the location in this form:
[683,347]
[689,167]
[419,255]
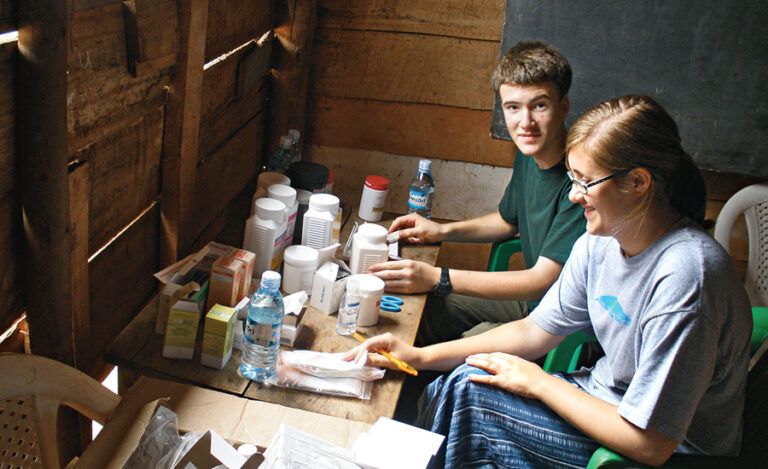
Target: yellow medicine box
[219,335]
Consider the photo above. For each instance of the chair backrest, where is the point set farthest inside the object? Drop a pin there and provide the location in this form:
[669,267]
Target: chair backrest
[32,389]
[752,201]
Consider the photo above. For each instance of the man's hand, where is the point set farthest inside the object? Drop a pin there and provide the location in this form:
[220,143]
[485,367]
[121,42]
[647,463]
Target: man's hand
[417,230]
[407,276]
[509,372]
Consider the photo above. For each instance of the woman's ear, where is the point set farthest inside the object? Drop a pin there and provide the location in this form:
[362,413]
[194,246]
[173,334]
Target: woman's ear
[640,180]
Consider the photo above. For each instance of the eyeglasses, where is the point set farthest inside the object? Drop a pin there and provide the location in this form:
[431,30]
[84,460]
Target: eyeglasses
[583,187]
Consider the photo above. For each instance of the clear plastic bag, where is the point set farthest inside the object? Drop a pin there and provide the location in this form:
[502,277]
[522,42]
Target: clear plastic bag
[161,446]
[324,373]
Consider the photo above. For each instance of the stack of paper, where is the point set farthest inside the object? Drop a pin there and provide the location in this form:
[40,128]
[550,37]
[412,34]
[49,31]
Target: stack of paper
[394,445]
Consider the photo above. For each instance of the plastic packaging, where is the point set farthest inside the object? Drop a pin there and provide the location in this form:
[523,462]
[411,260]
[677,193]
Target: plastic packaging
[262,331]
[349,308]
[263,182]
[369,247]
[161,446]
[286,195]
[299,268]
[318,222]
[263,235]
[373,198]
[421,191]
[330,365]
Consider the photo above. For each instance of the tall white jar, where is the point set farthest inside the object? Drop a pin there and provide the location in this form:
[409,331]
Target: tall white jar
[286,195]
[318,222]
[264,232]
[369,247]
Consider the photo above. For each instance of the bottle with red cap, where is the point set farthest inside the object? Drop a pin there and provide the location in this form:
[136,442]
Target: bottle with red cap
[373,198]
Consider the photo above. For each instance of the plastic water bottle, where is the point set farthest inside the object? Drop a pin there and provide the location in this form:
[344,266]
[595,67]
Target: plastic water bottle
[422,190]
[262,331]
[281,159]
[349,309]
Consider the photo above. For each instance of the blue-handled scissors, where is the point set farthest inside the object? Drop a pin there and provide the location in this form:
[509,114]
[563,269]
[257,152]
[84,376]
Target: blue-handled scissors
[391,303]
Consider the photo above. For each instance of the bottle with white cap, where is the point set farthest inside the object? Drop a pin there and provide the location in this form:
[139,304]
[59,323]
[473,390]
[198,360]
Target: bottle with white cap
[263,234]
[286,195]
[349,309]
[317,231]
[266,179]
[369,247]
[280,160]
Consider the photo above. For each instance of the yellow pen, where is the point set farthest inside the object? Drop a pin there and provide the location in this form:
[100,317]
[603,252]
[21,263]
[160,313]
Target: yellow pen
[403,366]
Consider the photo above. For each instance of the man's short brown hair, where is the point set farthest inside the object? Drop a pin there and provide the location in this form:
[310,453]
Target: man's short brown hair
[531,63]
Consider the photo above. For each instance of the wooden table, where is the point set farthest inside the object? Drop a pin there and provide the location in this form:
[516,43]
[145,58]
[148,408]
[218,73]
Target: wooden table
[139,349]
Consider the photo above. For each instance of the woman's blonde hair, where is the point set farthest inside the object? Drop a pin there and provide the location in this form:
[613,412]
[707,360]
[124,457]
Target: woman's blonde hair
[635,131]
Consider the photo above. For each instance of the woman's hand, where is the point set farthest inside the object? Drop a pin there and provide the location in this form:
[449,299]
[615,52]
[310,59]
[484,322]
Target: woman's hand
[416,229]
[509,372]
[406,276]
[388,343]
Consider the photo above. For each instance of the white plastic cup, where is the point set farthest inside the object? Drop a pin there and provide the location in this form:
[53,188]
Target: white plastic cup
[299,268]
[373,198]
[371,290]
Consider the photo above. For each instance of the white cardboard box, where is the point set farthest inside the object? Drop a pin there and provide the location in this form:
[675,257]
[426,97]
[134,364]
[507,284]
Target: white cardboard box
[330,281]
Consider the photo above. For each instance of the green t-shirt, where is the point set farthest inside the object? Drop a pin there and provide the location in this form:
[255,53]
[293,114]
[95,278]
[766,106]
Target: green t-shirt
[536,201]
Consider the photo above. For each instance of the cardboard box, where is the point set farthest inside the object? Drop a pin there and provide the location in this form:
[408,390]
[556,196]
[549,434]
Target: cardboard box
[295,307]
[288,334]
[198,268]
[181,331]
[330,281]
[249,260]
[226,276]
[170,294]
[218,336]
[211,451]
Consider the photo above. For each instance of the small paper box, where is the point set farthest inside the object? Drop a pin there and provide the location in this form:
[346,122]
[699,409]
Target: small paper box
[330,281]
[181,331]
[226,277]
[295,307]
[218,336]
[288,334]
[249,260]
[210,451]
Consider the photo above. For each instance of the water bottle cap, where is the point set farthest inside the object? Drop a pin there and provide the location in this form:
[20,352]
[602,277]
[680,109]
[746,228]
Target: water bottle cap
[379,183]
[373,233]
[285,142]
[326,202]
[425,165]
[269,209]
[270,279]
[285,194]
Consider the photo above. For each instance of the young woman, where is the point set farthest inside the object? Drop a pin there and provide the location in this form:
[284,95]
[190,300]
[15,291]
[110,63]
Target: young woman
[659,294]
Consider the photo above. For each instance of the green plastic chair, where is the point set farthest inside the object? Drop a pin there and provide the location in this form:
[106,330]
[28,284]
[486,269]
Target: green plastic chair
[565,357]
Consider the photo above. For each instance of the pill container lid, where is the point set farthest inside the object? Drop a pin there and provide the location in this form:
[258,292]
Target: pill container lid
[300,255]
[373,233]
[283,193]
[324,202]
[308,175]
[379,183]
[269,209]
[267,178]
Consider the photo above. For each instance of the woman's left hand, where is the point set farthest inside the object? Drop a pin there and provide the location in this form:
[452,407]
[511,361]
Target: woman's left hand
[509,372]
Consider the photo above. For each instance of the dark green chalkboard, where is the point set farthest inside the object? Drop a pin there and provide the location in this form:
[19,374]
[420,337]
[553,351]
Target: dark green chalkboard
[705,61]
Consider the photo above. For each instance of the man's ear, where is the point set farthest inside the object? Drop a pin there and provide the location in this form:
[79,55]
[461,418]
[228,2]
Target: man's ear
[565,103]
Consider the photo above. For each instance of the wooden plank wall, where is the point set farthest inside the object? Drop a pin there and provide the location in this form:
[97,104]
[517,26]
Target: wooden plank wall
[394,81]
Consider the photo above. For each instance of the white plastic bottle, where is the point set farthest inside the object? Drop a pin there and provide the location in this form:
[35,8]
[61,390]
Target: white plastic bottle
[263,234]
[263,182]
[369,247]
[295,136]
[373,198]
[421,191]
[286,195]
[349,309]
[317,231]
[299,269]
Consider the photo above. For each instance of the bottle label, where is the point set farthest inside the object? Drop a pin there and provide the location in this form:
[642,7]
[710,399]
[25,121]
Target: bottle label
[266,335]
[418,200]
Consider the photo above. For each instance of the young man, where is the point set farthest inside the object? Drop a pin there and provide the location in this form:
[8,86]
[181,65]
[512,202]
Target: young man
[532,80]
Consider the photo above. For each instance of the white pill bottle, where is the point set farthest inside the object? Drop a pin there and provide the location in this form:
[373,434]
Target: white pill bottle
[369,247]
[373,198]
[264,232]
[318,223]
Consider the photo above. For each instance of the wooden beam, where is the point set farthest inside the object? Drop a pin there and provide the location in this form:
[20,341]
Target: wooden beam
[295,31]
[182,129]
[42,150]
[79,208]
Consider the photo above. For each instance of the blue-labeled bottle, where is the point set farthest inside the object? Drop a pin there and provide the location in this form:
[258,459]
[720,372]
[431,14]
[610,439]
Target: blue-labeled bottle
[262,330]
[422,190]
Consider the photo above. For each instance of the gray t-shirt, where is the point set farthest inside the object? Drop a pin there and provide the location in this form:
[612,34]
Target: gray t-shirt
[675,325]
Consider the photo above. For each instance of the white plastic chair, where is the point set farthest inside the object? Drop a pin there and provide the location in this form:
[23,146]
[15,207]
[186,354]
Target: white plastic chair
[752,201]
[32,389]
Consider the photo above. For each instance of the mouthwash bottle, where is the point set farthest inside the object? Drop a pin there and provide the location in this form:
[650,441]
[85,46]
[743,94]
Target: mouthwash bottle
[422,190]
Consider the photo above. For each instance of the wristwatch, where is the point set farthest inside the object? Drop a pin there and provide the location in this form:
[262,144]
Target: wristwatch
[443,287]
